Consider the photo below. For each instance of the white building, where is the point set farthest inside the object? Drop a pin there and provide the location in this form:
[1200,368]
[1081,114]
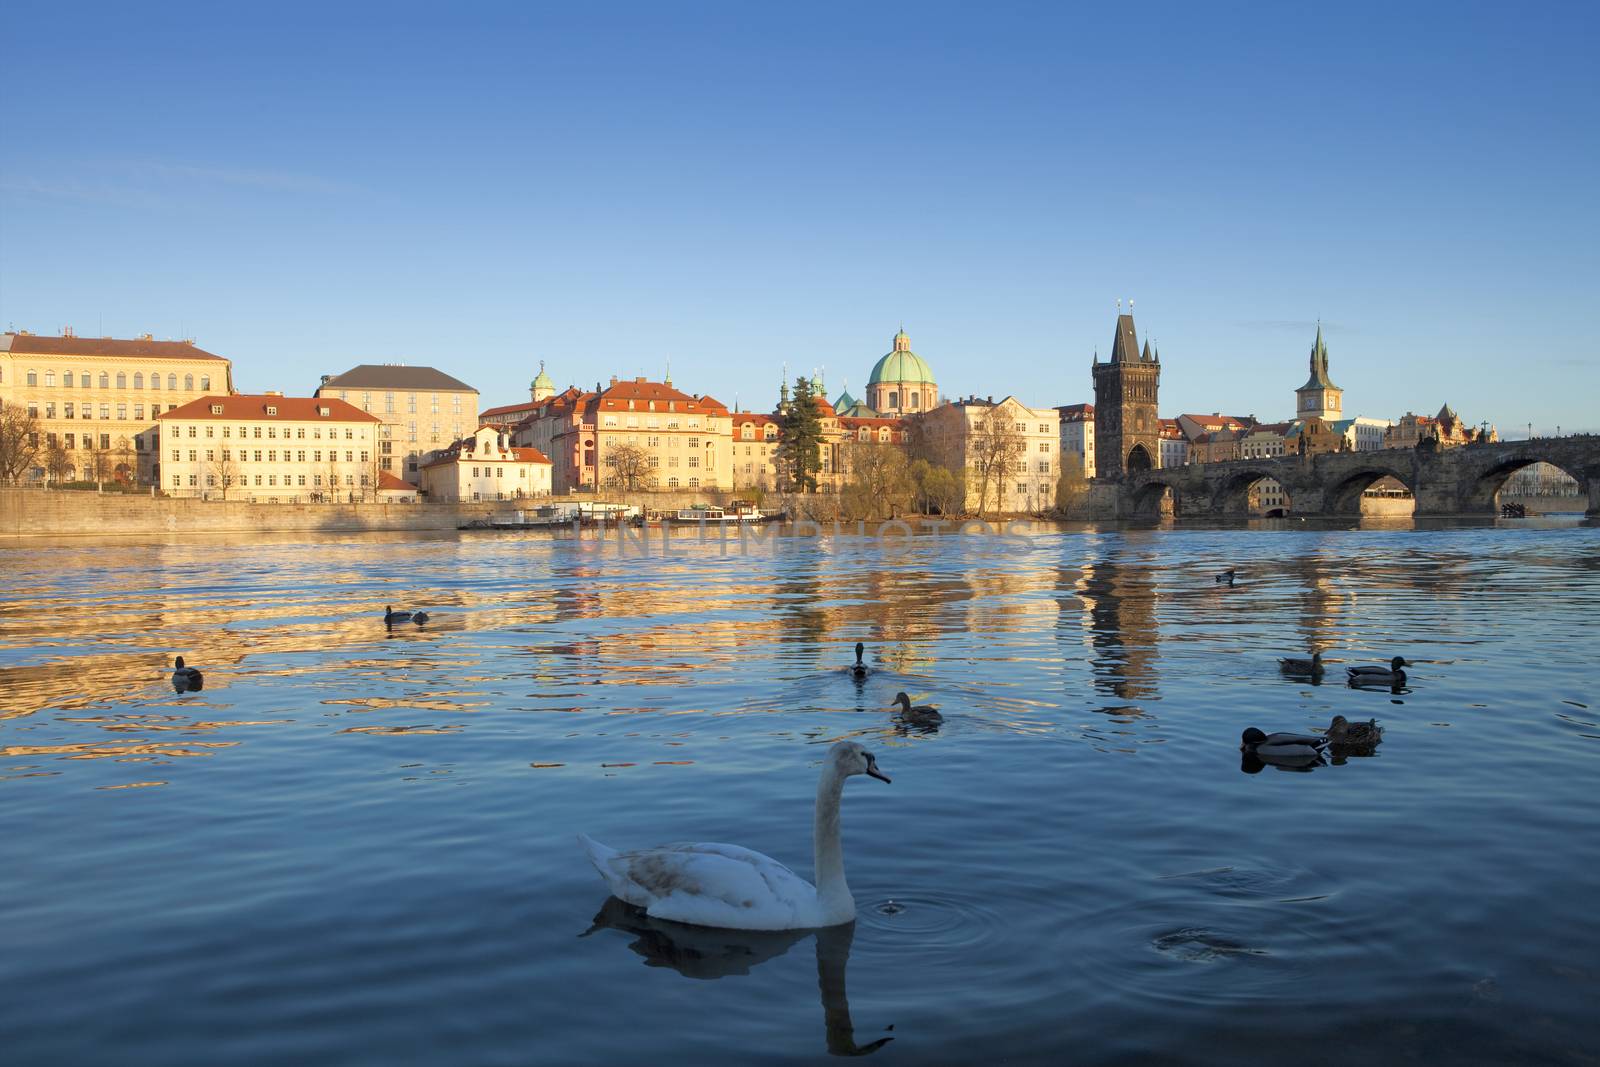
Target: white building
[486,466]
[961,432]
[1077,436]
[269,448]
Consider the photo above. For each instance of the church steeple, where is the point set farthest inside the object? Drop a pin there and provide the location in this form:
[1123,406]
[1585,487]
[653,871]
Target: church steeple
[1319,397]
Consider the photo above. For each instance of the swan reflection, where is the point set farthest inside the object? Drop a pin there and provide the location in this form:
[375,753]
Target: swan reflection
[708,953]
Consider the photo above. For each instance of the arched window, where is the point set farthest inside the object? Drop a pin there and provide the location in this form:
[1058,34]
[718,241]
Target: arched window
[894,399]
[138,379]
[883,434]
[122,379]
[188,382]
[172,382]
[672,483]
[155,379]
[916,400]
[33,377]
[105,380]
[749,432]
[864,434]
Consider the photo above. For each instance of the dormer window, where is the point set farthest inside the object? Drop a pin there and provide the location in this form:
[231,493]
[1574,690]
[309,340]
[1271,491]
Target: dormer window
[272,409]
[324,411]
[216,409]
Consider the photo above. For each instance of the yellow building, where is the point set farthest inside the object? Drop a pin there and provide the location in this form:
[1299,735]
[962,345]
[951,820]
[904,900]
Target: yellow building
[270,449]
[1017,445]
[421,410]
[96,399]
[755,444]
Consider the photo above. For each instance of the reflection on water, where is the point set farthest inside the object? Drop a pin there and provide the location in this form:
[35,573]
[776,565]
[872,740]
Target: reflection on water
[354,844]
[705,953]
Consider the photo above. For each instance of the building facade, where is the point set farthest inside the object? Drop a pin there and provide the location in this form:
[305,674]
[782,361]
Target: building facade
[686,440]
[421,410]
[485,465]
[1127,430]
[269,448]
[1445,430]
[1077,437]
[967,434]
[96,399]
[901,383]
[1174,446]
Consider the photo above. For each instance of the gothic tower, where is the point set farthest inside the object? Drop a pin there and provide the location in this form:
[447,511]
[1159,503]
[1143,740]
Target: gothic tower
[1127,430]
[1319,398]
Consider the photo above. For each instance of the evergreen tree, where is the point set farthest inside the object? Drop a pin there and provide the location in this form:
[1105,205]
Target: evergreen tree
[800,449]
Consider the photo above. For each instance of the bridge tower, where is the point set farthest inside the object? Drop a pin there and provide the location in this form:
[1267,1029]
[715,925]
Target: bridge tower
[1127,430]
[1319,398]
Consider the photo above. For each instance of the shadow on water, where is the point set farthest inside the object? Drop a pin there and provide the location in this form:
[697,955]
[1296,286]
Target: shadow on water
[707,953]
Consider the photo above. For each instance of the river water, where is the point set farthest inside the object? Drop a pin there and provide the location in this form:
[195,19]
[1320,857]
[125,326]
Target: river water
[355,845]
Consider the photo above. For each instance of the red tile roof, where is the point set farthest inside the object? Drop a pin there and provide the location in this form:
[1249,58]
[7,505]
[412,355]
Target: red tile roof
[615,397]
[139,348]
[507,409]
[254,406]
[391,482]
[1075,412]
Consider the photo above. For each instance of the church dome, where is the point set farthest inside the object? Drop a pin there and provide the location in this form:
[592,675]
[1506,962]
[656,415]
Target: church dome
[901,364]
[543,380]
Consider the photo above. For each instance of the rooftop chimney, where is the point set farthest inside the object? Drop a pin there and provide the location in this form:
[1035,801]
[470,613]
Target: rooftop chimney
[66,331]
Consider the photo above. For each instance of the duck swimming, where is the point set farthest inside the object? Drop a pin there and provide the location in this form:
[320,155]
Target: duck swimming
[1346,734]
[391,616]
[1393,667]
[1377,677]
[186,677]
[1311,668]
[734,888]
[860,670]
[1227,576]
[925,712]
[1282,744]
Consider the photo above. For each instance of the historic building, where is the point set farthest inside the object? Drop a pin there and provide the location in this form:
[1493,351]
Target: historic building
[96,399]
[269,448]
[1444,430]
[486,466]
[967,435]
[755,443]
[1077,437]
[1319,398]
[901,382]
[1127,429]
[686,439]
[421,410]
[1174,445]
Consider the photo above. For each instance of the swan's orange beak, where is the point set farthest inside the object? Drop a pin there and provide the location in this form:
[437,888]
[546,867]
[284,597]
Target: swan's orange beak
[872,770]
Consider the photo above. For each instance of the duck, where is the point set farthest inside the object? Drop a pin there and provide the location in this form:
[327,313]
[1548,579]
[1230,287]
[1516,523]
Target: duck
[925,712]
[1377,677]
[1227,576]
[1310,667]
[860,669]
[1346,734]
[1282,744]
[1393,667]
[391,616]
[727,886]
[186,677]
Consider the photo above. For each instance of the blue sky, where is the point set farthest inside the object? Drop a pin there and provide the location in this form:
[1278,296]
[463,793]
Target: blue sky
[737,186]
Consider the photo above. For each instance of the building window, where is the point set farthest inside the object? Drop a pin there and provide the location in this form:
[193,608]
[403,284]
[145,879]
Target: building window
[122,411]
[105,411]
[172,383]
[122,380]
[205,382]
[672,483]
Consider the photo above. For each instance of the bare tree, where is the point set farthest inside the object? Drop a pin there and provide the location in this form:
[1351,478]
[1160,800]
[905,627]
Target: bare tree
[225,469]
[56,462]
[97,460]
[996,448]
[1072,485]
[629,466]
[879,478]
[19,443]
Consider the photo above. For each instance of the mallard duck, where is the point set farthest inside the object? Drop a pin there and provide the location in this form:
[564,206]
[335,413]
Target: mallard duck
[1394,665]
[1343,732]
[734,888]
[186,677]
[391,616]
[1282,744]
[1311,667]
[1377,677]
[860,669]
[924,712]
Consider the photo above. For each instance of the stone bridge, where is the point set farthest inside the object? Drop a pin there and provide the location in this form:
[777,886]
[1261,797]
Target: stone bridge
[1452,481]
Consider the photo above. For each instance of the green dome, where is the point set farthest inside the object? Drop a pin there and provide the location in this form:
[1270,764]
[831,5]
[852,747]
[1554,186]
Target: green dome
[543,380]
[901,364]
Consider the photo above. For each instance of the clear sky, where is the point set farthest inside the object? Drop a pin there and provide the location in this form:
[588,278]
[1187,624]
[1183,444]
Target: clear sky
[736,186]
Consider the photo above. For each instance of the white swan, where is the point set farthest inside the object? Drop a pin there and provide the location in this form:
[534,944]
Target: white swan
[732,887]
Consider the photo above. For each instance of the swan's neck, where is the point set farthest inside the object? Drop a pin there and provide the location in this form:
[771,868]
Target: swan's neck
[832,892]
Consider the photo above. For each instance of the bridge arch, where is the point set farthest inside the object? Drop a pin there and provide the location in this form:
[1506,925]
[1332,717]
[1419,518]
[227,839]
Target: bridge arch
[1483,495]
[1231,494]
[1153,498]
[1343,496]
